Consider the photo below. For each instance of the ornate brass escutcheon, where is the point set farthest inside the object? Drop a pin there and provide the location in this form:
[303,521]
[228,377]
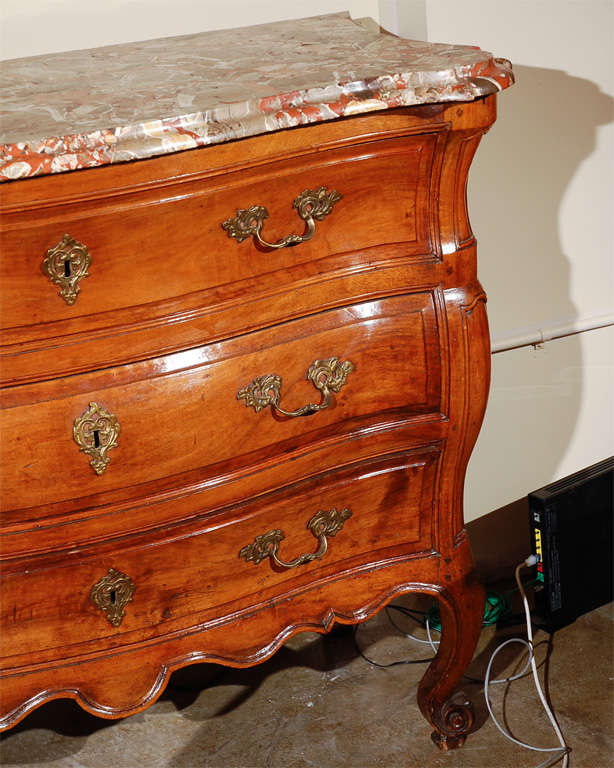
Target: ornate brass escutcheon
[323,525]
[327,376]
[96,432]
[111,594]
[311,206]
[66,264]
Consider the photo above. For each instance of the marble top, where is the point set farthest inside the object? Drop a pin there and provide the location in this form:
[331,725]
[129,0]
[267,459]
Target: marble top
[79,109]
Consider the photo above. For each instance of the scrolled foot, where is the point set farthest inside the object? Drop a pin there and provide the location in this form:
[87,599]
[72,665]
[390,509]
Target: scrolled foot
[454,723]
[447,743]
[461,606]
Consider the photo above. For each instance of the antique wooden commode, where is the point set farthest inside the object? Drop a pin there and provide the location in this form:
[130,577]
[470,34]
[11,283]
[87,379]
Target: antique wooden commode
[212,440]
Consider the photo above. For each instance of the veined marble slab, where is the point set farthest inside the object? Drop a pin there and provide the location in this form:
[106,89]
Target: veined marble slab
[79,109]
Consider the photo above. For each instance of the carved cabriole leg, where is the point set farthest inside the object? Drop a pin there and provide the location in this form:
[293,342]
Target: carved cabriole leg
[461,605]
[461,597]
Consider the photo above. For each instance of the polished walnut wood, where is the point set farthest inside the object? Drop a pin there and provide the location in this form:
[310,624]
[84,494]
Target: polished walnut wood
[173,319]
[199,387]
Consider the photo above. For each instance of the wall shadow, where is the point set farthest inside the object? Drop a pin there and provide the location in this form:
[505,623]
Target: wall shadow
[546,128]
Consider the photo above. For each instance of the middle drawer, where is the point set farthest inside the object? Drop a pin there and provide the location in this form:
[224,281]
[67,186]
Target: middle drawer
[135,424]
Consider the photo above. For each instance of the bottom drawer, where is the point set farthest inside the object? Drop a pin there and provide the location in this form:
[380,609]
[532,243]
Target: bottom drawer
[140,587]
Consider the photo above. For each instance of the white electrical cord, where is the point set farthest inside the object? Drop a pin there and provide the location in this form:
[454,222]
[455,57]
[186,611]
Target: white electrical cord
[430,640]
[435,643]
[563,749]
[409,636]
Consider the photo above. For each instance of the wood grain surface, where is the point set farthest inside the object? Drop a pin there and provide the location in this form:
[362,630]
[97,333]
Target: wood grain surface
[173,319]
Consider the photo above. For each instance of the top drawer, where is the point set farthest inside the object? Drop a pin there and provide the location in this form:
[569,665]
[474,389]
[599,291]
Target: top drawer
[158,248]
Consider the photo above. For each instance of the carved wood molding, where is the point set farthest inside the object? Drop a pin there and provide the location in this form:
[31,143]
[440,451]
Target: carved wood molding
[191,653]
[188,649]
[476,355]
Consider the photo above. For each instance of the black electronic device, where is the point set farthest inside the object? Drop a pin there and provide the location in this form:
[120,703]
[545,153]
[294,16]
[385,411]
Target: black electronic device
[571,526]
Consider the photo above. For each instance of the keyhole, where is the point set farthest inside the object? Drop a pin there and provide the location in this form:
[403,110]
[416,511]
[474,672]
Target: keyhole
[113,596]
[67,268]
[96,439]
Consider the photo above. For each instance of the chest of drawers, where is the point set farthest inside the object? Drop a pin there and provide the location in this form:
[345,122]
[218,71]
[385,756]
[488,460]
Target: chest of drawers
[240,387]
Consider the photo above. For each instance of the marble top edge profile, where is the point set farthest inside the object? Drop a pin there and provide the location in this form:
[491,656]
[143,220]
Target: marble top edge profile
[87,108]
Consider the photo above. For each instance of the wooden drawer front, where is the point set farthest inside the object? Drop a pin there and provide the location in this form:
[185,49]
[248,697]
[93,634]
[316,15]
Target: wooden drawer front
[159,245]
[181,412]
[195,574]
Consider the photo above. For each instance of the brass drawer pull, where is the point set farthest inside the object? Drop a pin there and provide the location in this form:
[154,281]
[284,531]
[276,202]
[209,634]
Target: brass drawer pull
[311,206]
[66,264]
[326,375]
[112,594]
[96,432]
[323,524]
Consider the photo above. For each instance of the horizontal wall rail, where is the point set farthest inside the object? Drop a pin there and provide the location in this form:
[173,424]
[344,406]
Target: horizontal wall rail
[536,337]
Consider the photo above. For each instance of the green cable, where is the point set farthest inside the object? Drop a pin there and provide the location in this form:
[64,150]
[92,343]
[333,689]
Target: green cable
[496,606]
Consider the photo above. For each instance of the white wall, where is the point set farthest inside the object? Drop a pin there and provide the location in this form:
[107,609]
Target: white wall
[550,413]
[541,198]
[32,27]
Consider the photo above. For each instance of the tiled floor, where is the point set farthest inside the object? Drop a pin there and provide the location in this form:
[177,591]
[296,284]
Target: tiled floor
[318,703]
